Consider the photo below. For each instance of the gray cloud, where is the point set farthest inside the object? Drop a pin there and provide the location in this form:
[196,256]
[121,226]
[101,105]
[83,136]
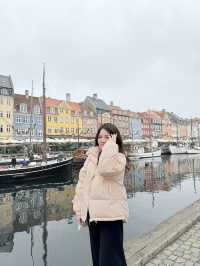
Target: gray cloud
[140,53]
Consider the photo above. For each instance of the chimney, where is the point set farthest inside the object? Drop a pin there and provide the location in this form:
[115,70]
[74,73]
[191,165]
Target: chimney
[68,97]
[95,96]
[111,103]
[26,94]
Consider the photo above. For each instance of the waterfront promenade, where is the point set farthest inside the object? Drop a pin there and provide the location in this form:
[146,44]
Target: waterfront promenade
[176,241]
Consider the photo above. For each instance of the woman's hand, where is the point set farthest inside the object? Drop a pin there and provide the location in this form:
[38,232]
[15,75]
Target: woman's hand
[80,221]
[113,138]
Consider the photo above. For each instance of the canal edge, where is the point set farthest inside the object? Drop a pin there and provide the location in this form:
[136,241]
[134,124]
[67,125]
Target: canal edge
[141,250]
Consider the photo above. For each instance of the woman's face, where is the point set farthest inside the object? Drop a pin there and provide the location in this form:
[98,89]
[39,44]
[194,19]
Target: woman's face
[103,138]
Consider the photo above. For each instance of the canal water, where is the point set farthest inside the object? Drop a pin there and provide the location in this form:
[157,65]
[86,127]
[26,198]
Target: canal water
[37,225]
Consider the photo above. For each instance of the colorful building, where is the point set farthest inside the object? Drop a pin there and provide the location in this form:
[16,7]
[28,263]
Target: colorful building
[89,122]
[178,127]
[166,129]
[64,118]
[151,124]
[120,118]
[27,117]
[57,118]
[101,109]
[76,123]
[6,107]
[135,126]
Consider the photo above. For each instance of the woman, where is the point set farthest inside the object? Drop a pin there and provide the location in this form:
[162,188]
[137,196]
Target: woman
[100,198]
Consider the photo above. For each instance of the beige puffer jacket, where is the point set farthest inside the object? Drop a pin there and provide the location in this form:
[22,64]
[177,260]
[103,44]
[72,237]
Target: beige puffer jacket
[100,188]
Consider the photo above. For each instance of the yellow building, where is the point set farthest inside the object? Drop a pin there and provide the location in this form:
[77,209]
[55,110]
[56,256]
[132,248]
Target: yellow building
[6,107]
[58,117]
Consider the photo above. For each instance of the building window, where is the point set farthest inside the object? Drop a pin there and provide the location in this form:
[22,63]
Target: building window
[36,109]
[8,128]
[18,120]
[23,108]
[1,128]
[4,92]
[1,114]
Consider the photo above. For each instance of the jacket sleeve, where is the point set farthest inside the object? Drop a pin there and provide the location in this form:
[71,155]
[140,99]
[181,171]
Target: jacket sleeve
[111,162]
[79,189]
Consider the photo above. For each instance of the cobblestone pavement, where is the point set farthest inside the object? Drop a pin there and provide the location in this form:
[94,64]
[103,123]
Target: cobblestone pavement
[184,251]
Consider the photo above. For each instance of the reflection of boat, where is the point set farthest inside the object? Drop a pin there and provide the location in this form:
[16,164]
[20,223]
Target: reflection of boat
[141,153]
[6,242]
[57,169]
[146,161]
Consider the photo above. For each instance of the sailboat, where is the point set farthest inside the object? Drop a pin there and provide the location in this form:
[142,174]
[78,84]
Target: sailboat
[192,149]
[174,149]
[45,169]
[142,153]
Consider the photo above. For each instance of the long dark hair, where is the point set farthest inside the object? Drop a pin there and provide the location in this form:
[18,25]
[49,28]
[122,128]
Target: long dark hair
[111,129]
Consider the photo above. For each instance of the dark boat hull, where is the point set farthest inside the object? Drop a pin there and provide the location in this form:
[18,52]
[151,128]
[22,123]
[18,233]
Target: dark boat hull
[61,169]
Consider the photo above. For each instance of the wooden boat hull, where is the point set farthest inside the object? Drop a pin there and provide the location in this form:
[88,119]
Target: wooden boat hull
[58,169]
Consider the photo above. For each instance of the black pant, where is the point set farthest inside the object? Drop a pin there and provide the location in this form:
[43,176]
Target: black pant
[106,240]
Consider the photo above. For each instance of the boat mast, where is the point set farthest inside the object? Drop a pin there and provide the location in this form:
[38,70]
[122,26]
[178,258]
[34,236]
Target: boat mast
[31,116]
[177,137]
[191,132]
[44,117]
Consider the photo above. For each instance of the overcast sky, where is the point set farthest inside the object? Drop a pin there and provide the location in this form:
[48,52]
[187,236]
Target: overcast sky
[141,54]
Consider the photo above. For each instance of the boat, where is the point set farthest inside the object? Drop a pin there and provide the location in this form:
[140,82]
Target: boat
[6,160]
[177,149]
[44,169]
[79,156]
[61,169]
[193,150]
[141,153]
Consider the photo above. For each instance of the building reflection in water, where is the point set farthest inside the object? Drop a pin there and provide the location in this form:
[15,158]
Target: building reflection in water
[20,211]
[23,209]
[161,174]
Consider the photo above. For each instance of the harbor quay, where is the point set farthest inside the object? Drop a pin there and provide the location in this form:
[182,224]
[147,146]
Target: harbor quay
[176,241]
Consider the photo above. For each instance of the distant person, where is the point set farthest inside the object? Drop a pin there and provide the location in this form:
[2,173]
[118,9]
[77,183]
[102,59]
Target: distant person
[24,163]
[100,198]
[31,156]
[13,162]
